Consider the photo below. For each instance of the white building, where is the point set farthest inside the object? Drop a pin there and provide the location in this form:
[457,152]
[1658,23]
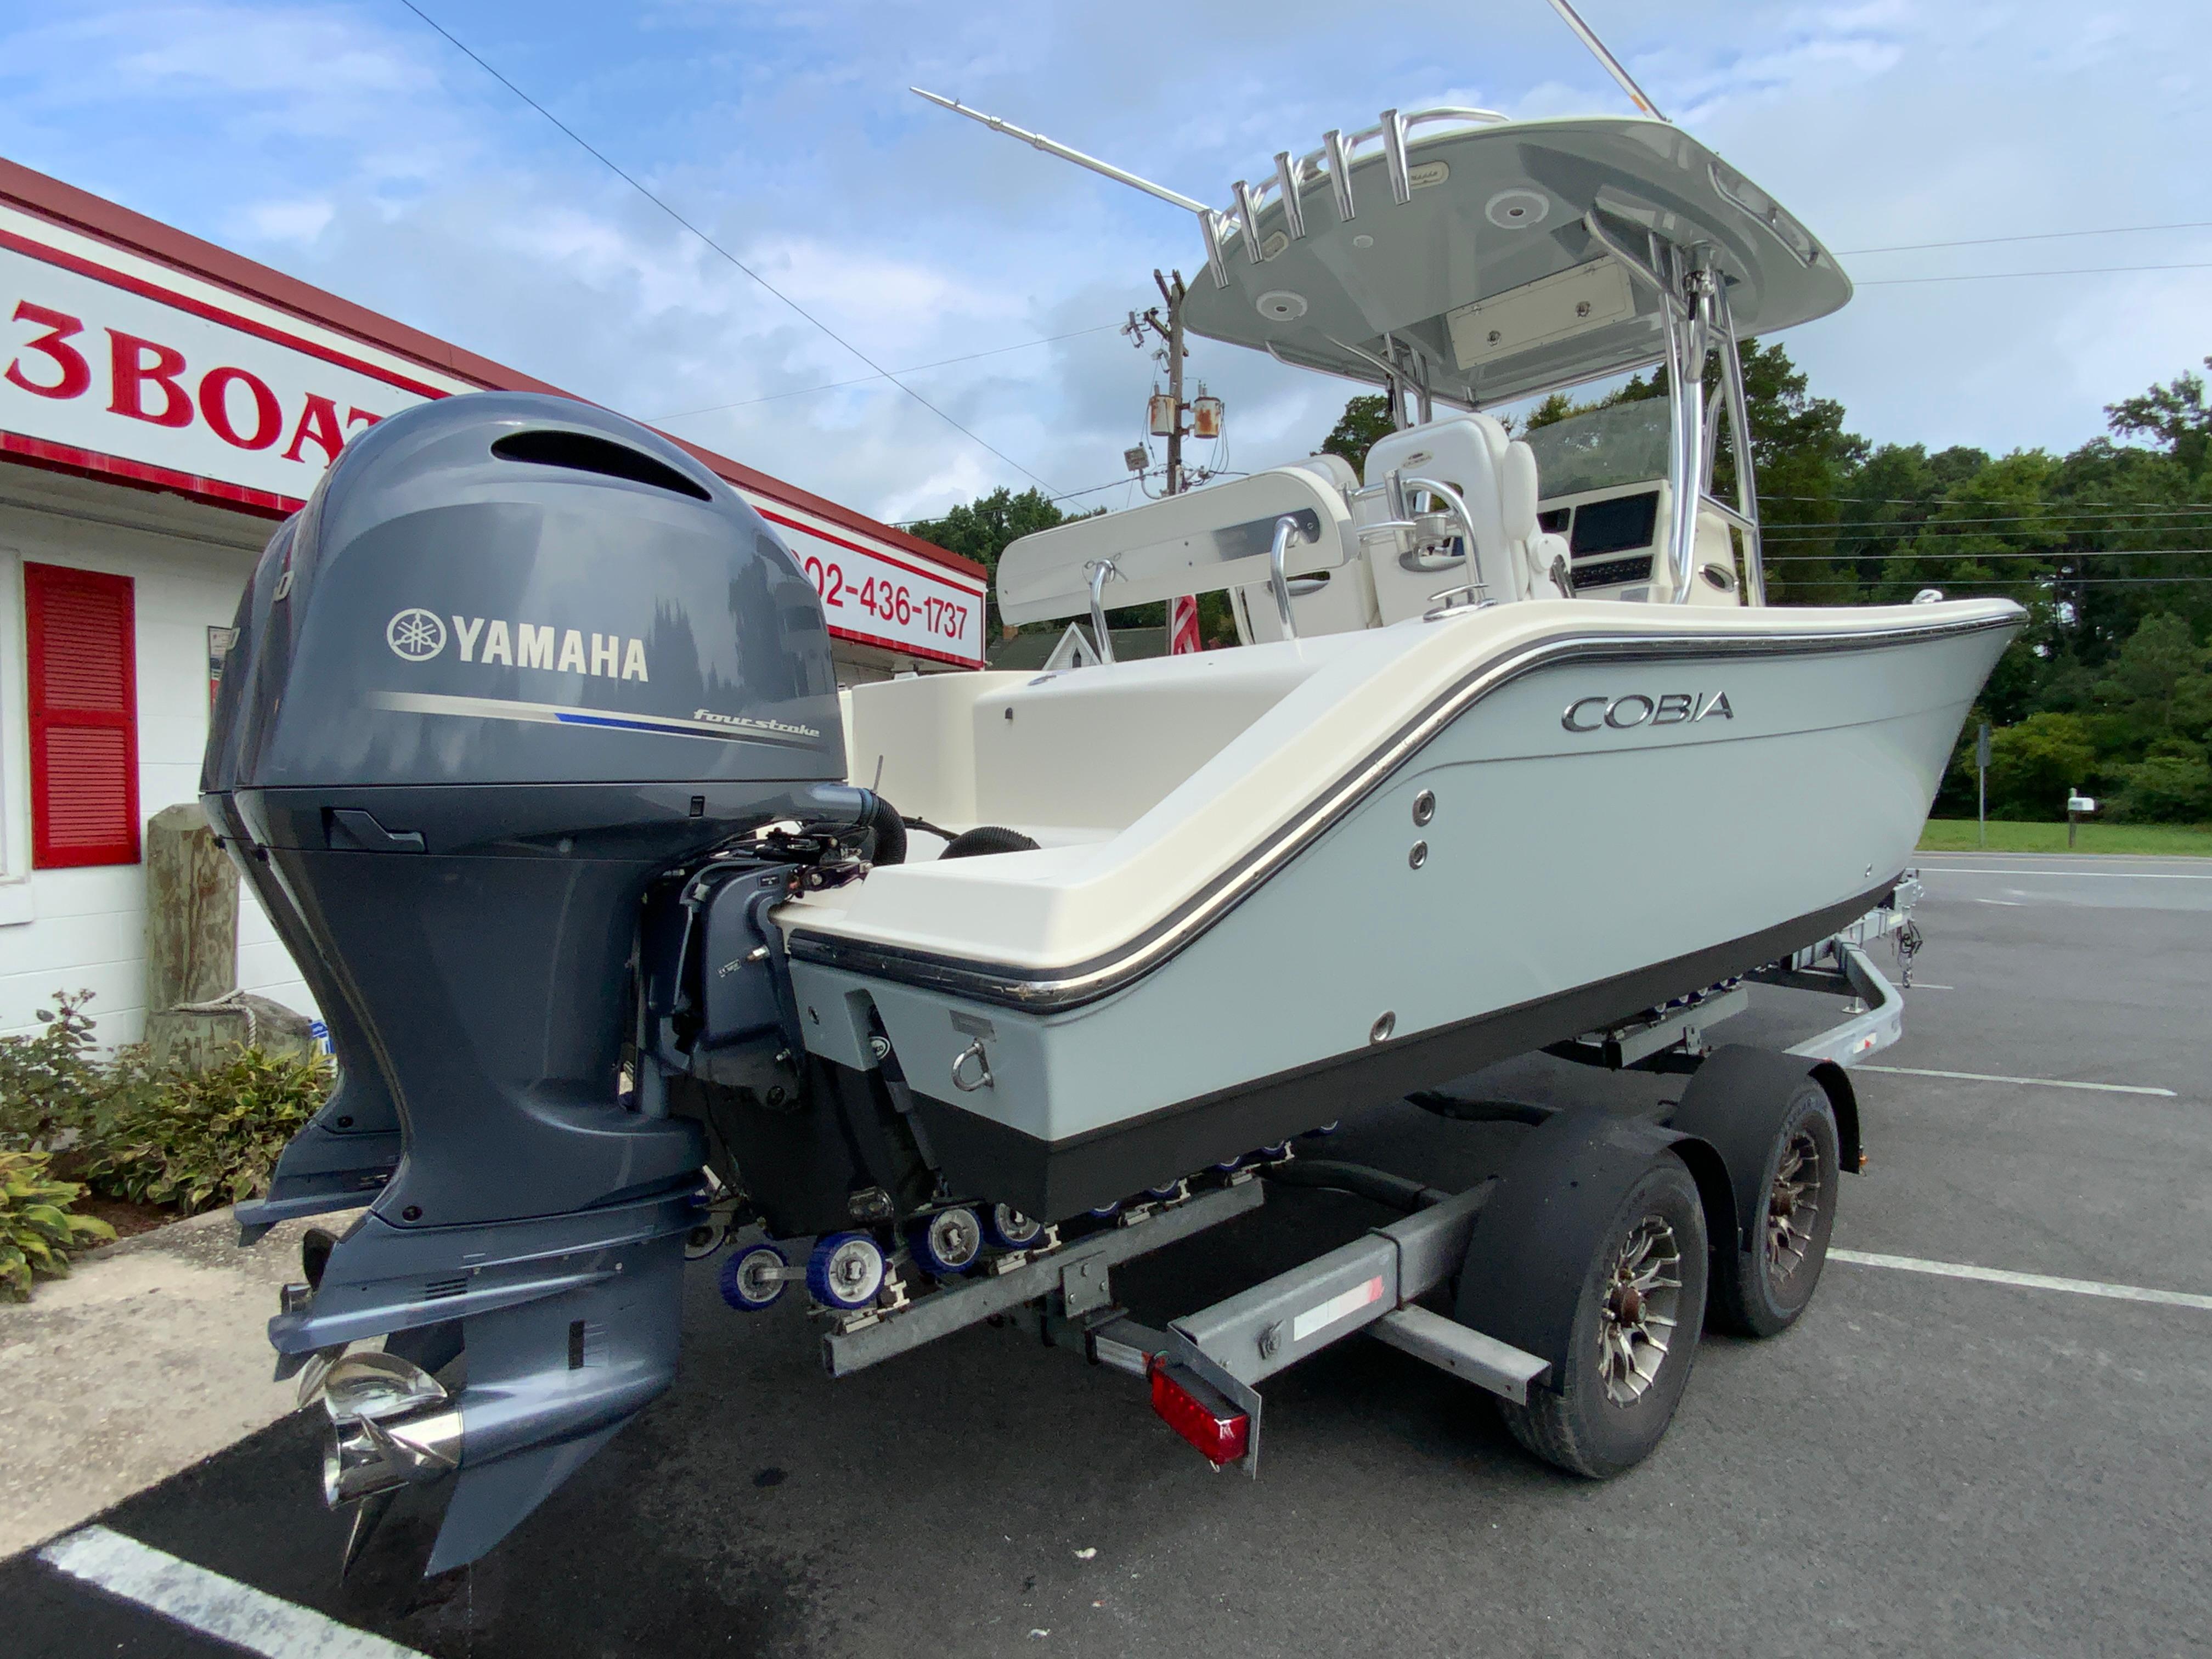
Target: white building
[163,402]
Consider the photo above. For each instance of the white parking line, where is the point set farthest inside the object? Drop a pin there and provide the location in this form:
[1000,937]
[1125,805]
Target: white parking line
[2102,875]
[1913,1264]
[2036,1082]
[211,1603]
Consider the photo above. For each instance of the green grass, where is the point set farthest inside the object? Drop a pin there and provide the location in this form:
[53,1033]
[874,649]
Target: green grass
[1958,835]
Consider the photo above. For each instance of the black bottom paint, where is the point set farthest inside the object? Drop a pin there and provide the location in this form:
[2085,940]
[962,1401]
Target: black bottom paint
[1055,1180]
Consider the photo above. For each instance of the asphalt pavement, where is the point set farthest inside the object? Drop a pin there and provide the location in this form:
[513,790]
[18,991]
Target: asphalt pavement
[1924,1464]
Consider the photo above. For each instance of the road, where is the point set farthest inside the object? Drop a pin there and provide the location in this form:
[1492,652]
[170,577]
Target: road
[1924,1464]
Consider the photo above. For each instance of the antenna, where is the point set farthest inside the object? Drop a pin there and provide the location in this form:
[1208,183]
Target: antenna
[1589,38]
[1051,147]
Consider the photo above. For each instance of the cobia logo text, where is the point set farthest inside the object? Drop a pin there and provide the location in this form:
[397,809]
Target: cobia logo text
[1625,712]
[419,635]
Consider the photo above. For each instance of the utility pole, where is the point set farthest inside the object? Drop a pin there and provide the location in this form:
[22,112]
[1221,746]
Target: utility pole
[1169,332]
[1182,613]
[1174,295]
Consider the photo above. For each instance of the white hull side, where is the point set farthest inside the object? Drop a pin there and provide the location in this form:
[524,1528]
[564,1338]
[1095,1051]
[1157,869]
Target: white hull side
[1556,859]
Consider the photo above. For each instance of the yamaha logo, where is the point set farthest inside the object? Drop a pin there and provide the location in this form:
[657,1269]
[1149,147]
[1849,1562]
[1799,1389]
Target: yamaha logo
[415,635]
[1625,713]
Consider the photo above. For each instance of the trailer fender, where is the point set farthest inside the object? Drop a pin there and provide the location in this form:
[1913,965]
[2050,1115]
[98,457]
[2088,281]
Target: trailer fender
[1532,1242]
[1733,1103]
[1843,1100]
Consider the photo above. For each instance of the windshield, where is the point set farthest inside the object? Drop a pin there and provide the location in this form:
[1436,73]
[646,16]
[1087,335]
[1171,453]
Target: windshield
[1623,443]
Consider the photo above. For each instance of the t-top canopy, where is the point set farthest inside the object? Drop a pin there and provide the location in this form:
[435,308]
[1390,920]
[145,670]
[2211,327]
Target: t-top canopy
[1465,259]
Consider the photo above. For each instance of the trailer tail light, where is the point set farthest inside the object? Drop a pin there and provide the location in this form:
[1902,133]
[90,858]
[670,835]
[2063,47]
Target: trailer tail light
[1196,1411]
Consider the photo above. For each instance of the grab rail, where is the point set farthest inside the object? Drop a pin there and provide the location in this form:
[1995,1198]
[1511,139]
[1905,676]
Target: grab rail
[1102,636]
[1286,530]
[1479,588]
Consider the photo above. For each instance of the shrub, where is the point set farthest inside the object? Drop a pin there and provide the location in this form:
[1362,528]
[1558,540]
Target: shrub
[48,1083]
[197,1140]
[2165,789]
[2035,764]
[37,1231]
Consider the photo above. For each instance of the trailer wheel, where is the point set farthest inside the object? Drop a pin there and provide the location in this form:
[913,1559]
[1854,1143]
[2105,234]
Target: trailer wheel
[1638,1310]
[1762,1290]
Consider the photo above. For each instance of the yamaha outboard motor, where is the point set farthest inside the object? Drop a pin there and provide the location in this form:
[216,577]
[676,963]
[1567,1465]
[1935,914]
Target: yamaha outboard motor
[518,665]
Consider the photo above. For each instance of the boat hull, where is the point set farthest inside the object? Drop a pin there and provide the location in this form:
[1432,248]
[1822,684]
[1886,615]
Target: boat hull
[1603,829]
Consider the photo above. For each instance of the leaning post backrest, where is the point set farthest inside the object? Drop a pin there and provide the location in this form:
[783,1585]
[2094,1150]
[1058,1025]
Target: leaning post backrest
[1466,451]
[1196,543]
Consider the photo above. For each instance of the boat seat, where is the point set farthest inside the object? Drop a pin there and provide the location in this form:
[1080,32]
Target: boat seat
[1496,475]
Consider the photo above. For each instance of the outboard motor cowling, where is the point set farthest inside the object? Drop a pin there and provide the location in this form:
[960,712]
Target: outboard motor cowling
[515,659]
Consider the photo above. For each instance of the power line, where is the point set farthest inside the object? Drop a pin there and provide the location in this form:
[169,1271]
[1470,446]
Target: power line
[1919,501]
[596,155]
[2071,581]
[2085,582]
[2034,236]
[1993,275]
[1917,525]
[1891,530]
[870,379]
[1978,558]
[1069,496]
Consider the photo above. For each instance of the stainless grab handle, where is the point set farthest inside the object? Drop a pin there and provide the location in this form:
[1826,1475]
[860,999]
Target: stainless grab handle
[1452,499]
[1286,530]
[1102,636]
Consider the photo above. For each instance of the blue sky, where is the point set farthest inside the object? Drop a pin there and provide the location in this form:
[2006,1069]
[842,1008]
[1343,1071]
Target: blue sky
[350,145]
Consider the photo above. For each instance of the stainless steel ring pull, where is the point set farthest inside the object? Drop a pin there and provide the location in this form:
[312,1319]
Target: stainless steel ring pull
[981,1075]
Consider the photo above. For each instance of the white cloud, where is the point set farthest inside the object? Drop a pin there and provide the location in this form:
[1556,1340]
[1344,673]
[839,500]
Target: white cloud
[353,148]
[299,221]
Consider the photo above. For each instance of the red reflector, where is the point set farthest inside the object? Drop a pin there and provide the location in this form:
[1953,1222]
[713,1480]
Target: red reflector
[1196,1411]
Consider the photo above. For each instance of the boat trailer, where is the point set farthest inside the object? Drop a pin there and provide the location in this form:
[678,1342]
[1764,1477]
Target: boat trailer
[1204,1368]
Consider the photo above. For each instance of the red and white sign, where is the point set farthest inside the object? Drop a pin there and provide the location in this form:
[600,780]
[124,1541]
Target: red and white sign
[114,365]
[103,365]
[880,598]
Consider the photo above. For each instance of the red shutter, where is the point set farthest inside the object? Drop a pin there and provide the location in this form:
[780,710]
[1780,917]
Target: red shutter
[84,717]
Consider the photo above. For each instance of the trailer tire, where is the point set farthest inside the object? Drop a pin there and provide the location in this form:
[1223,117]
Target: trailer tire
[1603,1411]
[1760,1290]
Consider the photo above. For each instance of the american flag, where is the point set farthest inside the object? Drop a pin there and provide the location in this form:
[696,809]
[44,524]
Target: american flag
[1182,625]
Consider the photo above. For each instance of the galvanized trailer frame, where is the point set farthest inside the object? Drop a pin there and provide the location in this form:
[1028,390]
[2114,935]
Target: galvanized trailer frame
[1209,1362]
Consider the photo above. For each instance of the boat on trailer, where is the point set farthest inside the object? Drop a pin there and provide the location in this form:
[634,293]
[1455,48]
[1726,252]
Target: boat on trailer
[1512,755]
